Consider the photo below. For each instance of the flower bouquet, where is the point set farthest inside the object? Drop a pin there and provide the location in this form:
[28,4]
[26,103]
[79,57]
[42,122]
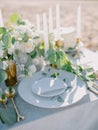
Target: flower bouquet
[23,44]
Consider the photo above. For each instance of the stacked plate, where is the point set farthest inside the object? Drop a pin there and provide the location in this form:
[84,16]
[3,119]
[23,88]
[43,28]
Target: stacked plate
[49,87]
[44,91]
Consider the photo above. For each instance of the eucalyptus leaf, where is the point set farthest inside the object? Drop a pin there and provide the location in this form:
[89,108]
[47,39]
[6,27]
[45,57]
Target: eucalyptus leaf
[8,115]
[3,75]
[44,73]
[41,52]
[1,121]
[36,37]
[70,48]
[29,61]
[2,30]
[33,54]
[25,37]
[1,92]
[13,40]
[41,49]
[20,22]
[52,57]
[92,76]
[6,38]
[55,74]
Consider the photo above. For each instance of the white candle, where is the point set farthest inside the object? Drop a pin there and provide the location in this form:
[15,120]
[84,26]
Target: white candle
[38,22]
[78,22]
[1,19]
[45,33]
[50,21]
[57,17]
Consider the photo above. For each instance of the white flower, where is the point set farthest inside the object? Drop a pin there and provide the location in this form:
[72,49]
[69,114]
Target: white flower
[28,23]
[28,47]
[15,34]
[32,69]
[31,41]
[22,29]
[36,61]
[30,33]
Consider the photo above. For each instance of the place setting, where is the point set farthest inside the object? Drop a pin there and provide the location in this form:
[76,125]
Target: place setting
[46,91]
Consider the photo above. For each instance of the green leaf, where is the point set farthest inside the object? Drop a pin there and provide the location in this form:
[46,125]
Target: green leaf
[70,48]
[89,69]
[64,79]
[40,49]
[29,61]
[44,73]
[25,37]
[3,75]
[55,74]
[52,57]
[13,40]
[8,116]
[80,68]
[41,52]
[1,92]
[33,54]
[6,38]
[14,18]
[20,22]
[92,76]
[10,57]
[2,30]
[36,37]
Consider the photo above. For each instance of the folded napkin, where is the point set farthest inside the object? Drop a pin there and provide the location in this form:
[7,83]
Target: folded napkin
[49,87]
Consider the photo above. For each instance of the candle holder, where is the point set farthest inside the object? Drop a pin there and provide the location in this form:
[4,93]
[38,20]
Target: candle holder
[77,54]
[59,43]
[78,40]
[11,74]
[3,100]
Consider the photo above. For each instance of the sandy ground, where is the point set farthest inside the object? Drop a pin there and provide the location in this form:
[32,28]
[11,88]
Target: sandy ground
[29,8]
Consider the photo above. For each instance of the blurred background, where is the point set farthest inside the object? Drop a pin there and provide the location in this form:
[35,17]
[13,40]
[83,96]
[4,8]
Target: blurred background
[68,14]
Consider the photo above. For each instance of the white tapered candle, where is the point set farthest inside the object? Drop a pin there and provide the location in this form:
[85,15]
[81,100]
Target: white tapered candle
[45,33]
[50,21]
[1,19]
[78,22]
[57,17]
[38,22]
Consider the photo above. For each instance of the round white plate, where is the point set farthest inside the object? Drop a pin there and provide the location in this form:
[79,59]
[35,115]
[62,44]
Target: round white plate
[49,87]
[69,97]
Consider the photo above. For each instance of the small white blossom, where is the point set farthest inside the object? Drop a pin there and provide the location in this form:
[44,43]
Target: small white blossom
[30,33]
[28,23]
[32,69]
[35,61]
[28,47]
